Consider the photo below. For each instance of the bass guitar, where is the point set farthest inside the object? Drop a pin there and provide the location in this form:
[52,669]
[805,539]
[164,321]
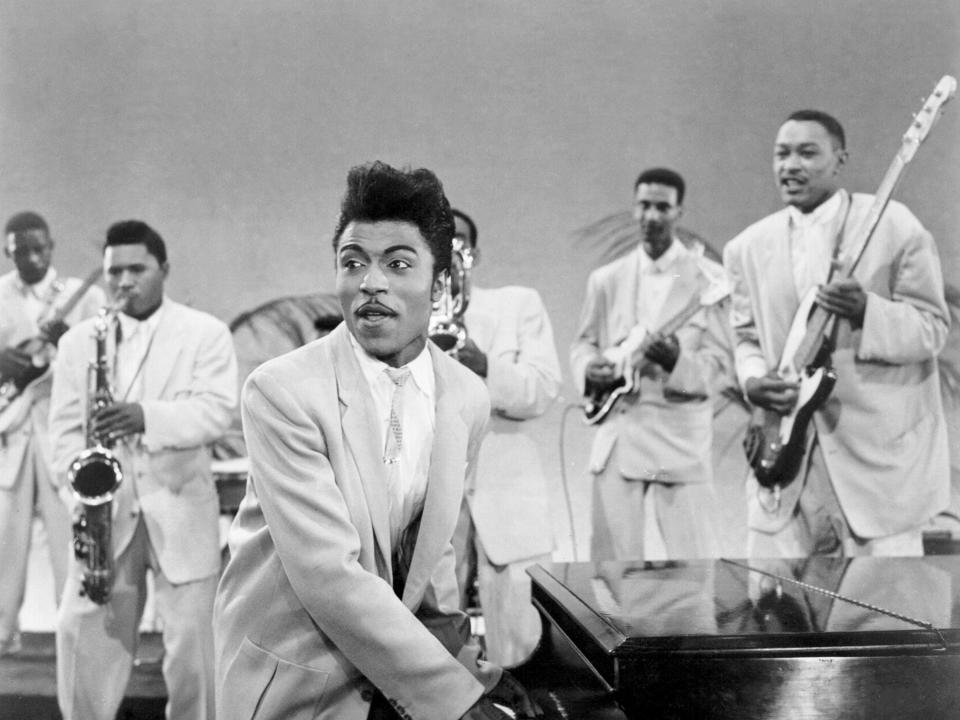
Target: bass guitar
[15,390]
[775,443]
[601,398]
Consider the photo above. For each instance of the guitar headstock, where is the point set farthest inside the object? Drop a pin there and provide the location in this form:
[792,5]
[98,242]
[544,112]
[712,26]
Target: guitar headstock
[924,120]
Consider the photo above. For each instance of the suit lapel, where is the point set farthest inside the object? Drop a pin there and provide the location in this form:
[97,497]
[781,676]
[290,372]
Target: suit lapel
[685,286]
[359,420]
[444,485]
[624,309]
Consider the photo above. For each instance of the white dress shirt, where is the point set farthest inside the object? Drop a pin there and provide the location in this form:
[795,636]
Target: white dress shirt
[136,342]
[408,476]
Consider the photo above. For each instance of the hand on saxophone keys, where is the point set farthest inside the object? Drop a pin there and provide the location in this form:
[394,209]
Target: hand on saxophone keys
[118,420]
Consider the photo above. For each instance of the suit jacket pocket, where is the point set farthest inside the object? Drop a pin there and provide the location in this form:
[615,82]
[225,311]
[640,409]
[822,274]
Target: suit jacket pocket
[261,686]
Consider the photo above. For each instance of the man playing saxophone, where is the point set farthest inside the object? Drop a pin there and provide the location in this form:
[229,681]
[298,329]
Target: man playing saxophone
[173,375]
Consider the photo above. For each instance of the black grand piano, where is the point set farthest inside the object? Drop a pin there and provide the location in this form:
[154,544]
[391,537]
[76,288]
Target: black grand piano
[792,639]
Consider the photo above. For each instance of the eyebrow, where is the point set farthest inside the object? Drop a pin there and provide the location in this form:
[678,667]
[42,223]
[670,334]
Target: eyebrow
[392,249]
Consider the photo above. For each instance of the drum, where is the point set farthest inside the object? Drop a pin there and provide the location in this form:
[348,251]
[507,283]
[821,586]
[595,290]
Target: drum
[231,478]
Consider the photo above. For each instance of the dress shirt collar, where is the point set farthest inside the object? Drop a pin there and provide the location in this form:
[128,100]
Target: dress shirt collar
[421,368]
[39,289]
[130,326]
[649,266]
[822,215]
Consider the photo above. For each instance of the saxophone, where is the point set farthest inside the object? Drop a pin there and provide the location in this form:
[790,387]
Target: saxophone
[94,476]
[446,323]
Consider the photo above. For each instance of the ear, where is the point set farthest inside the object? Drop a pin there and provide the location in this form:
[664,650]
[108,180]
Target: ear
[436,292]
[842,156]
[679,211]
[165,269]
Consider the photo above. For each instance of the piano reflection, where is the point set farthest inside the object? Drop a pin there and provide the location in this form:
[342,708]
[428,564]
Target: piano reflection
[813,638]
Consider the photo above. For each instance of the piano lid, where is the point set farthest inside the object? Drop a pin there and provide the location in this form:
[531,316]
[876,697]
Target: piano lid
[818,604]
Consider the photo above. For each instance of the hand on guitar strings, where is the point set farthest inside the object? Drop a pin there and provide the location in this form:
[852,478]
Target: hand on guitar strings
[772,392]
[662,350]
[844,298]
[601,371]
[15,363]
[117,421]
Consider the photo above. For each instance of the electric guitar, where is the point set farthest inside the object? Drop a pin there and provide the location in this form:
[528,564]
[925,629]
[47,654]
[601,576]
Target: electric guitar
[601,398]
[15,390]
[775,443]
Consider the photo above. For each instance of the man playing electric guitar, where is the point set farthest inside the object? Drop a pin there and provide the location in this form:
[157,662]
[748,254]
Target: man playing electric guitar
[656,444]
[30,325]
[873,465]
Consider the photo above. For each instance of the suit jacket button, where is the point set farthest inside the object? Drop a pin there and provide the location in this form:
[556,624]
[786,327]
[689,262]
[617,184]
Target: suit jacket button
[366,695]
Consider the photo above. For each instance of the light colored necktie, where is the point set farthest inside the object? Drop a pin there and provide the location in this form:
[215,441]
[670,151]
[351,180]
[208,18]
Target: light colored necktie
[398,376]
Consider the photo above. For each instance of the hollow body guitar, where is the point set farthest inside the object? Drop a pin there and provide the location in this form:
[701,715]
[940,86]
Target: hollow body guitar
[774,443]
[16,392]
[601,398]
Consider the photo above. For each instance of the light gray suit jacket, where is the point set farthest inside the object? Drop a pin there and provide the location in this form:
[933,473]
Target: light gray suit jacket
[665,433]
[189,393]
[882,429]
[306,621]
[508,499]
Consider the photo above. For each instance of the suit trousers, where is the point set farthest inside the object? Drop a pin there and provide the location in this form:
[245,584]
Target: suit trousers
[819,527]
[31,492]
[682,512]
[96,644]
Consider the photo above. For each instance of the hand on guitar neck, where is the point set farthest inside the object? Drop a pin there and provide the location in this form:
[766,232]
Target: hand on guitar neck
[844,298]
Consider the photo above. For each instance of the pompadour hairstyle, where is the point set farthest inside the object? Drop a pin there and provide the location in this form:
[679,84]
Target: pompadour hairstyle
[828,121]
[663,176]
[137,232]
[377,192]
[27,220]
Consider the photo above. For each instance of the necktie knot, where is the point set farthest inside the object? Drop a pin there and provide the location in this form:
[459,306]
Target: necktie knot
[398,376]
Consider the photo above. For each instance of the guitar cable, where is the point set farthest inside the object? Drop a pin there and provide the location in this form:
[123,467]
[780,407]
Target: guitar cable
[563,474]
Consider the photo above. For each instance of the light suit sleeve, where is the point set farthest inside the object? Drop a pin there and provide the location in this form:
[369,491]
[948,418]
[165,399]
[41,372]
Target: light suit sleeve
[912,324]
[525,379]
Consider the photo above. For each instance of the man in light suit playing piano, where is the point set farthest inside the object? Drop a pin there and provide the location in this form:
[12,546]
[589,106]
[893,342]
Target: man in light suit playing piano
[340,598]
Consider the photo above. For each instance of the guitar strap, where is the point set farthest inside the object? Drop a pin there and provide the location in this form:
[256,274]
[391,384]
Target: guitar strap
[835,265]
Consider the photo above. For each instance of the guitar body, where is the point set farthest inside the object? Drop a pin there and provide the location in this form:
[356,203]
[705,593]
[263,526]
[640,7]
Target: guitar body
[600,399]
[775,443]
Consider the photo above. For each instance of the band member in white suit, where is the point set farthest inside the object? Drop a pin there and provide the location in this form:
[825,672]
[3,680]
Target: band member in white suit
[875,468]
[174,389]
[32,297]
[340,598]
[656,443]
[505,521]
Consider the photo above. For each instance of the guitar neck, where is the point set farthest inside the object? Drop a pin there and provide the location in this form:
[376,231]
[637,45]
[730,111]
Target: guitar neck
[819,321]
[72,301]
[678,320]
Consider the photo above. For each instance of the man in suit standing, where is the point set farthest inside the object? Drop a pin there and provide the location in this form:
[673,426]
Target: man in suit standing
[505,520]
[173,375]
[32,298]
[875,466]
[340,599]
[656,443]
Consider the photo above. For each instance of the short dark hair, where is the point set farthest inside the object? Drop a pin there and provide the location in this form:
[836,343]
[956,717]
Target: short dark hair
[470,223]
[27,220]
[662,176]
[829,122]
[377,192]
[137,232]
